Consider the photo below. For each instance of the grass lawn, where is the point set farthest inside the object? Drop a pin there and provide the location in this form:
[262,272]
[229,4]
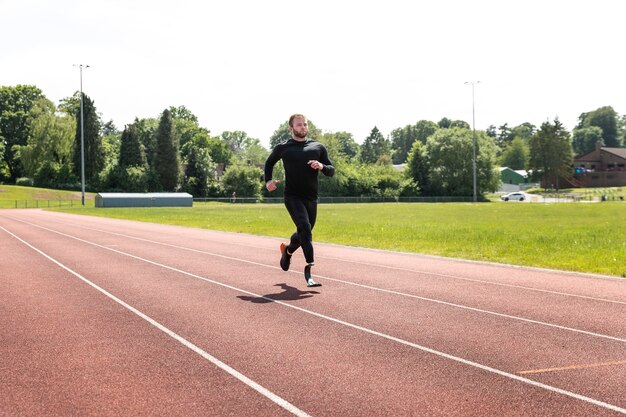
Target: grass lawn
[584,237]
[15,196]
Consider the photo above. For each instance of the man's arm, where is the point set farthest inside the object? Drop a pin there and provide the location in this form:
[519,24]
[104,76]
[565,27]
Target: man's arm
[327,167]
[274,157]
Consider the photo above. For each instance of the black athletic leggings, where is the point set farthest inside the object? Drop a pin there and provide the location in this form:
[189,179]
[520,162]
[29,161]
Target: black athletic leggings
[303,212]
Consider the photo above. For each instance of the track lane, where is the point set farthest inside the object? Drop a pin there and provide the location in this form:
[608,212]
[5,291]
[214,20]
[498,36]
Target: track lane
[66,350]
[315,298]
[554,309]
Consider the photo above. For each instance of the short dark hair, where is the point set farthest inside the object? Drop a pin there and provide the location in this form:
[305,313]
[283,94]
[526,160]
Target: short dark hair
[294,116]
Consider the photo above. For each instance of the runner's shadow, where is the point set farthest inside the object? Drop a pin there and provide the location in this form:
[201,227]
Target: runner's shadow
[289,294]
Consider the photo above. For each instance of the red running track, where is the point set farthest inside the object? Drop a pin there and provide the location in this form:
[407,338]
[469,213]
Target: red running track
[109,317]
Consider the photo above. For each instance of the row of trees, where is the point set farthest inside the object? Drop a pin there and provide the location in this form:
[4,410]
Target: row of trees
[41,141]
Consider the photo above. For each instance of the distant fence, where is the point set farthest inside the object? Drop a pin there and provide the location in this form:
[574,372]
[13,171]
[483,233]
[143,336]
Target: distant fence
[38,203]
[585,196]
[335,200]
[554,197]
[248,200]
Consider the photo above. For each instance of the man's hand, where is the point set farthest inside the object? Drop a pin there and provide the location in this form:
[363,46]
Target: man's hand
[316,164]
[271,185]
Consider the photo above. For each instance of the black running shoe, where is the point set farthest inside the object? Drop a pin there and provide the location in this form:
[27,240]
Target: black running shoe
[307,277]
[285,258]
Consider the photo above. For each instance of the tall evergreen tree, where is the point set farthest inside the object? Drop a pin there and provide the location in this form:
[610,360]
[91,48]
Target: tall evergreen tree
[374,147]
[93,150]
[131,149]
[551,153]
[418,167]
[167,157]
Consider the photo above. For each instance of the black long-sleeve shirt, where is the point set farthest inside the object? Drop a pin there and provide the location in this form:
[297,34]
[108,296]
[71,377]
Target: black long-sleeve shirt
[300,179]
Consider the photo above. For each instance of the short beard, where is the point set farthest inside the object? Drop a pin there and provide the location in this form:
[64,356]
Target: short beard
[300,135]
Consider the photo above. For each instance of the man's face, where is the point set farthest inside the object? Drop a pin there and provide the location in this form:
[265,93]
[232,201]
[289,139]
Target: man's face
[300,127]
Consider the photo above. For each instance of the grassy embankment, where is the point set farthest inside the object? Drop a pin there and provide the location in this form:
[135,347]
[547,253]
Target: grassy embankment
[13,196]
[584,237]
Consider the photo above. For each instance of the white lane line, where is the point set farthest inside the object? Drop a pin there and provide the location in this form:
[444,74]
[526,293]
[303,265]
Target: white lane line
[368,331]
[369,287]
[233,372]
[481,281]
[479,310]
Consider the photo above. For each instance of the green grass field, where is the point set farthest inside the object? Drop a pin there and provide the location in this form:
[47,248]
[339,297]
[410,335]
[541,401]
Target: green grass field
[584,237]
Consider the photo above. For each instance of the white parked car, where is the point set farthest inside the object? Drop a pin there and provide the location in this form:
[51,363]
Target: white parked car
[516,196]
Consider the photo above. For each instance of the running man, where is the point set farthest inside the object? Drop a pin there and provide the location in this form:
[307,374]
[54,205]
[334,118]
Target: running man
[302,158]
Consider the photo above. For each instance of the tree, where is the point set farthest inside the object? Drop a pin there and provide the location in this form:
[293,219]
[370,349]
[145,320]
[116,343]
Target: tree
[585,139]
[237,140]
[132,152]
[254,153]
[183,113]
[111,144]
[244,149]
[402,139]
[444,123]
[109,129]
[418,167]
[515,156]
[504,136]
[243,180]
[186,129]
[347,145]
[621,129]
[280,135]
[167,156]
[551,153]
[15,106]
[93,151]
[459,123]
[3,169]
[147,130]
[134,179]
[199,171]
[523,131]
[49,143]
[450,158]
[606,119]
[374,147]
[219,151]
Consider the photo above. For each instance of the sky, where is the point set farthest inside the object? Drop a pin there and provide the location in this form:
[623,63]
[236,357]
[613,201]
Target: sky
[348,65]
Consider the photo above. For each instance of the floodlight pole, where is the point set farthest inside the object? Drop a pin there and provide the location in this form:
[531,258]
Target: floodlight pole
[473,141]
[82,136]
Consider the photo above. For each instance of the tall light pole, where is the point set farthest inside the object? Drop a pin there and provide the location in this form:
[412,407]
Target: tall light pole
[82,136]
[472,83]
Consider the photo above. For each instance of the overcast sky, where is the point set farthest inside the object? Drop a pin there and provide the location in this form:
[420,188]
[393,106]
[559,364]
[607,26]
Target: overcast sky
[348,65]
